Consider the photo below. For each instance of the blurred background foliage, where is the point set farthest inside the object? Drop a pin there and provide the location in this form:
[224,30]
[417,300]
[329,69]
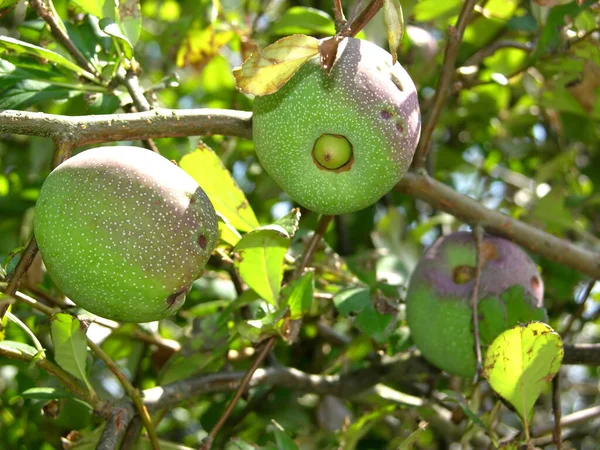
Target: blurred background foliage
[521,135]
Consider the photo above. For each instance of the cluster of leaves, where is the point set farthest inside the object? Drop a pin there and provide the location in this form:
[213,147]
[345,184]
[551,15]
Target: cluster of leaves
[521,135]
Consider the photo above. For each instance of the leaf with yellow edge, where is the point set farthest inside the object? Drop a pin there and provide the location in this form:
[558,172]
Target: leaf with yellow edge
[521,362]
[264,72]
[205,166]
[394,24]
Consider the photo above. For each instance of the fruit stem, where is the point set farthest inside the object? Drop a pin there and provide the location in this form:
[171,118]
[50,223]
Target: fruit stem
[312,244]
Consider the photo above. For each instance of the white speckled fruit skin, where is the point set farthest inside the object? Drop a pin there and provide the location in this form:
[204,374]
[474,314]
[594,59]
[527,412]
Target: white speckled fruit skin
[123,232]
[360,100]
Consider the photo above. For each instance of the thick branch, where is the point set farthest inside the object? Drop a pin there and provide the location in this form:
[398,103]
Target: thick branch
[469,210]
[157,123]
[455,35]
[116,426]
[343,386]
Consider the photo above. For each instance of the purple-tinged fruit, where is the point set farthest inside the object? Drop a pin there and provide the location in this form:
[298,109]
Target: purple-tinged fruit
[124,232]
[438,302]
[367,101]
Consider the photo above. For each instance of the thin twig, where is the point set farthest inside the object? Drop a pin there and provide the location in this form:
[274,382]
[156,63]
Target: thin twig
[354,27]
[478,236]
[338,14]
[580,310]
[58,31]
[136,92]
[312,244]
[132,392]
[206,445]
[455,35]
[571,420]
[557,412]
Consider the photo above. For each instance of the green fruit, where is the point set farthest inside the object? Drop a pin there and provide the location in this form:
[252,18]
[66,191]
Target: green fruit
[438,302]
[124,232]
[367,101]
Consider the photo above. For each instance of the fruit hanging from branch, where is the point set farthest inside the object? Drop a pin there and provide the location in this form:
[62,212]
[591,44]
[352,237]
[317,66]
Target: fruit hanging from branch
[124,232]
[438,303]
[337,142]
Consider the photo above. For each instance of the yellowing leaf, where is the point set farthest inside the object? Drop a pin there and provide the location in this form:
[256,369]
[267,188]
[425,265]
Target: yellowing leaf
[200,46]
[267,70]
[394,24]
[205,166]
[521,362]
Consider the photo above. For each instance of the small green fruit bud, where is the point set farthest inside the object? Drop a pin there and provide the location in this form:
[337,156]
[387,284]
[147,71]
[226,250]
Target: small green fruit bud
[332,151]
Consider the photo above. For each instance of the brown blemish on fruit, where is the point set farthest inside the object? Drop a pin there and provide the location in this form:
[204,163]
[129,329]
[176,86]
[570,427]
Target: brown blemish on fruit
[177,297]
[489,252]
[463,274]
[202,241]
[385,114]
[535,283]
[400,127]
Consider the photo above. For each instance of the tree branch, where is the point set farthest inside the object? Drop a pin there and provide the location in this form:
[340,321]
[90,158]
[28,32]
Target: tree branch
[455,35]
[157,123]
[442,197]
[116,426]
[171,123]
[344,386]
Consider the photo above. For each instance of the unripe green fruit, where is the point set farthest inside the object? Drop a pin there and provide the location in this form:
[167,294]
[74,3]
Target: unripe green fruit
[368,101]
[124,232]
[438,302]
[332,151]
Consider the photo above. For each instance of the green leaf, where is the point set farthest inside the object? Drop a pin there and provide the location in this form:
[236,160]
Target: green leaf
[304,20]
[111,28]
[457,398]
[412,439]
[98,8]
[24,349]
[24,48]
[205,166]
[264,72]
[394,24]
[130,20]
[361,427]
[301,297]
[28,92]
[46,393]
[290,222]
[352,300]
[70,345]
[521,362]
[259,260]
[283,440]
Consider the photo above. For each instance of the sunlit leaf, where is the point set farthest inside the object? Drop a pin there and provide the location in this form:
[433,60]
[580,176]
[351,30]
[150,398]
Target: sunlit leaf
[130,20]
[205,166]
[25,48]
[304,20]
[259,260]
[290,222]
[394,24]
[521,362]
[46,393]
[264,72]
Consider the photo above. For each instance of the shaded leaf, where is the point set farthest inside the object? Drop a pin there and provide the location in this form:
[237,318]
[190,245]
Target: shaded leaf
[521,362]
[304,20]
[264,72]
[111,28]
[130,20]
[46,393]
[394,24]
[301,297]
[283,440]
[259,260]
[70,345]
[205,166]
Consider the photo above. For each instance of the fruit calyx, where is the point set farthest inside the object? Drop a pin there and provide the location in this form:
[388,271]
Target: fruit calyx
[333,152]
